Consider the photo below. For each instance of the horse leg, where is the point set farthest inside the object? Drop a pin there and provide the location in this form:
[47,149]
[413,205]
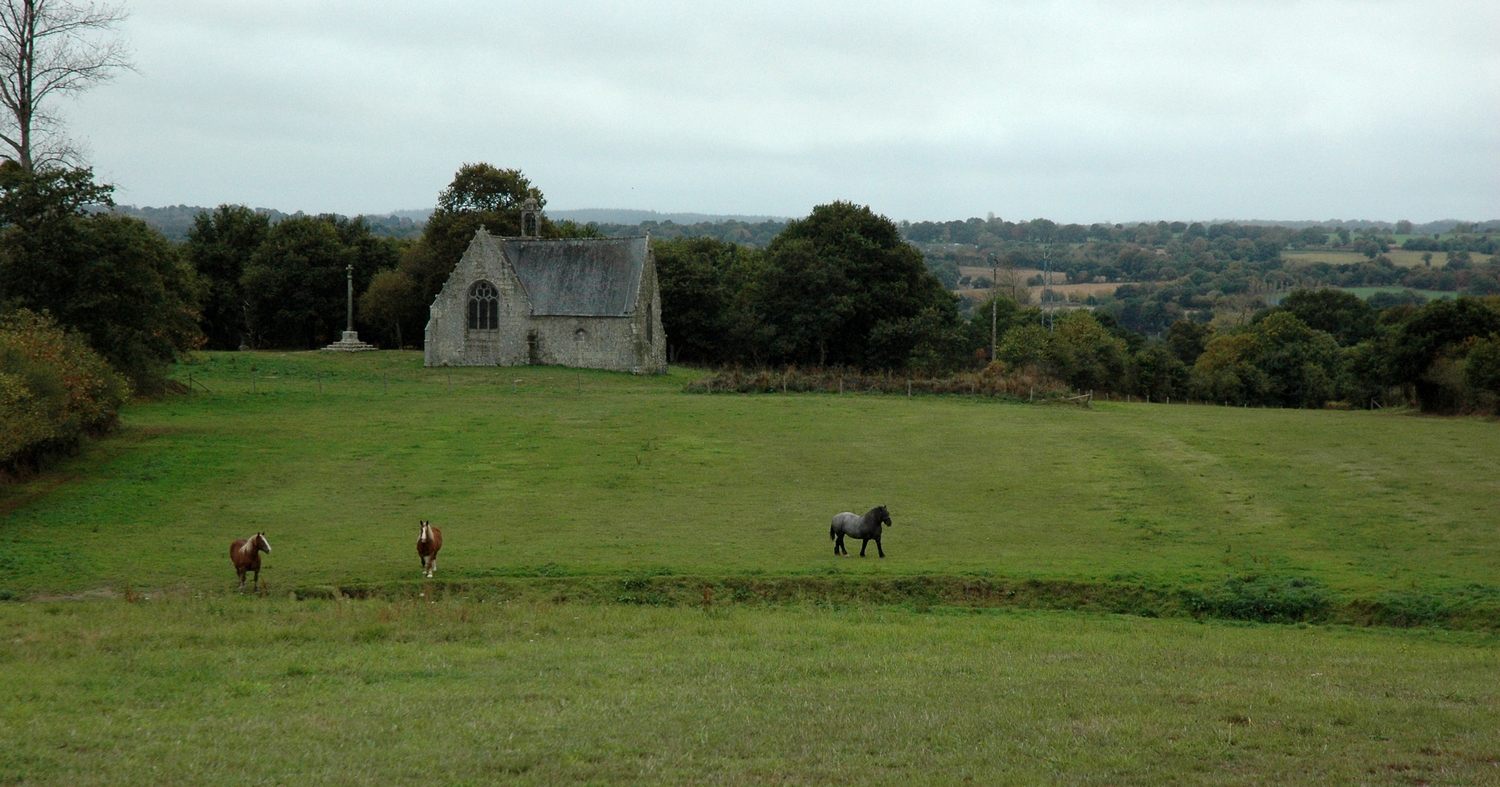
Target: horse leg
[864,543]
[836,545]
[432,569]
[242,579]
[257,580]
[878,548]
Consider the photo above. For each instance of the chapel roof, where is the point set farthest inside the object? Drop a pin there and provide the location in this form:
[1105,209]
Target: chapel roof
[579,277]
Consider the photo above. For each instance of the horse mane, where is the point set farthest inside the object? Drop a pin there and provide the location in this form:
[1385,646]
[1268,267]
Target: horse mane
[248,548]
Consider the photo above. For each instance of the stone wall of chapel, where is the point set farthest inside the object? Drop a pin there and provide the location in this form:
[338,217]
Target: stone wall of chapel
[449,342]
[604,342]
[611,343]
[648,338]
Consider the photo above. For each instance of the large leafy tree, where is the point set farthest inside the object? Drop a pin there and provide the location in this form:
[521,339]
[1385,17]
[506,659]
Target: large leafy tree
[1277,361]
[219,246]
[1187,339]
[1157,372]
[1085,354]
[703,305]
[480,195]
[386,307]
[831,279]
[295,282]
[1343,315]
[1420,349]
[111,278]
[1482,369]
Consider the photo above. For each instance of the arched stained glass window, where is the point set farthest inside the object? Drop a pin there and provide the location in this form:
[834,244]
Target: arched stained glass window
[484,307]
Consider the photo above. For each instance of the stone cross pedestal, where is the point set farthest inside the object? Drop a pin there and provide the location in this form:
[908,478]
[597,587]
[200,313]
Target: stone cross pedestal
[350,343]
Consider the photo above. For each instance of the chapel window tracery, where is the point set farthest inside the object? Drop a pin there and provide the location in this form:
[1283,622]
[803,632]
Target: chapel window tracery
[484,307]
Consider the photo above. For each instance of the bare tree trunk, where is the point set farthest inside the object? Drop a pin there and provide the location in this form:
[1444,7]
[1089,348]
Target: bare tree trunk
[51,48]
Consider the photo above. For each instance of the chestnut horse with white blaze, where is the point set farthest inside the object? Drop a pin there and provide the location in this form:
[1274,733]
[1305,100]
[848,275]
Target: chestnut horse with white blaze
[428,544]
[245,553]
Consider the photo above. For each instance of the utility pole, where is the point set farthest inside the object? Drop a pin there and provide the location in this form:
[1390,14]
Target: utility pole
[994,305]
[1047,282]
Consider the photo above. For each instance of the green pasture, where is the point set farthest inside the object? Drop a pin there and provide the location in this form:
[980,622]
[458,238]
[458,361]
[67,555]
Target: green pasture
[168,690]
[537,472]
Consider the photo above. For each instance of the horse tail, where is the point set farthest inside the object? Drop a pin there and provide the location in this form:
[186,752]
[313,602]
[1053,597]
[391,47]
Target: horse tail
[833,532]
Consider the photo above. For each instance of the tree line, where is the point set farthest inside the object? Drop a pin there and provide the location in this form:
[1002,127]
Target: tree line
[841,287]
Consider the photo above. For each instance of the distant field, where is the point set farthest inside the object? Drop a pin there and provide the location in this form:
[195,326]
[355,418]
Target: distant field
[631,476]
[1403,258]
[468,691]
[1059,286]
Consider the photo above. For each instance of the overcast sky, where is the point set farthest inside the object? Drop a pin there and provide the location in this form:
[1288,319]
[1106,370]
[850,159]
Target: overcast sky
[1075,111]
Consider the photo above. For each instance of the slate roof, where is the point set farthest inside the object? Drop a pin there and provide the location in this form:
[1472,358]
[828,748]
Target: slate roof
[579,277]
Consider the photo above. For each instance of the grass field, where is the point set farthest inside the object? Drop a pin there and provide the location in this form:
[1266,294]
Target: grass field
[637,586]
[631,476]
[252,691]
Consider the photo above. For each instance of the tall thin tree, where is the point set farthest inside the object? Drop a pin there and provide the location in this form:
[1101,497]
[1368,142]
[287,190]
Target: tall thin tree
[49,49]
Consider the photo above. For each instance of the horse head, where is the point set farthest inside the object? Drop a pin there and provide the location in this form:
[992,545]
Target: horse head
[426,534]
[882,516]
[262,544]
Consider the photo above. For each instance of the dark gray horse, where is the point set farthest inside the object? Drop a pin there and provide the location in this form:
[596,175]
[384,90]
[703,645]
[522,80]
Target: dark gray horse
[865,528]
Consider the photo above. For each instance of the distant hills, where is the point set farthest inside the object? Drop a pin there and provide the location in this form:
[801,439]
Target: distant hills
[174,221]
[624,216]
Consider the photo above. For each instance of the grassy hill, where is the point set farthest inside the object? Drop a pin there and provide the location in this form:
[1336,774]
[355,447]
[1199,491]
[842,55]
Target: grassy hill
[528,476]
[603,530]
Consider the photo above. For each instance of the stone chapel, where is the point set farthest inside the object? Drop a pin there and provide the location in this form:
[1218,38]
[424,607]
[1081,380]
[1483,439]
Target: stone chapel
[584,302]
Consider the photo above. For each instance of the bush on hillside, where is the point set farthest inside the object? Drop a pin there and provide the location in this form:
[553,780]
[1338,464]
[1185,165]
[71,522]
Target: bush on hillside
[54,391]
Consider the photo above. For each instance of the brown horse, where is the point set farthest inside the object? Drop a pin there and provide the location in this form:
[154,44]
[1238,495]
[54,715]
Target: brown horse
[245,553]
[428,544]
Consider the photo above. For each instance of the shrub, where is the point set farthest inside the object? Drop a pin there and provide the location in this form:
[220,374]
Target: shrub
[995,381]
[54,391]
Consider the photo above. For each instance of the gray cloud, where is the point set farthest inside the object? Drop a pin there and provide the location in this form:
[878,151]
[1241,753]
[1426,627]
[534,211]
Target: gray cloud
[1073,110]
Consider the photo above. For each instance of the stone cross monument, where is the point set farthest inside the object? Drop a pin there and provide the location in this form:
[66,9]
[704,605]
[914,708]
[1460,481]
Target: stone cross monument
[350,343]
